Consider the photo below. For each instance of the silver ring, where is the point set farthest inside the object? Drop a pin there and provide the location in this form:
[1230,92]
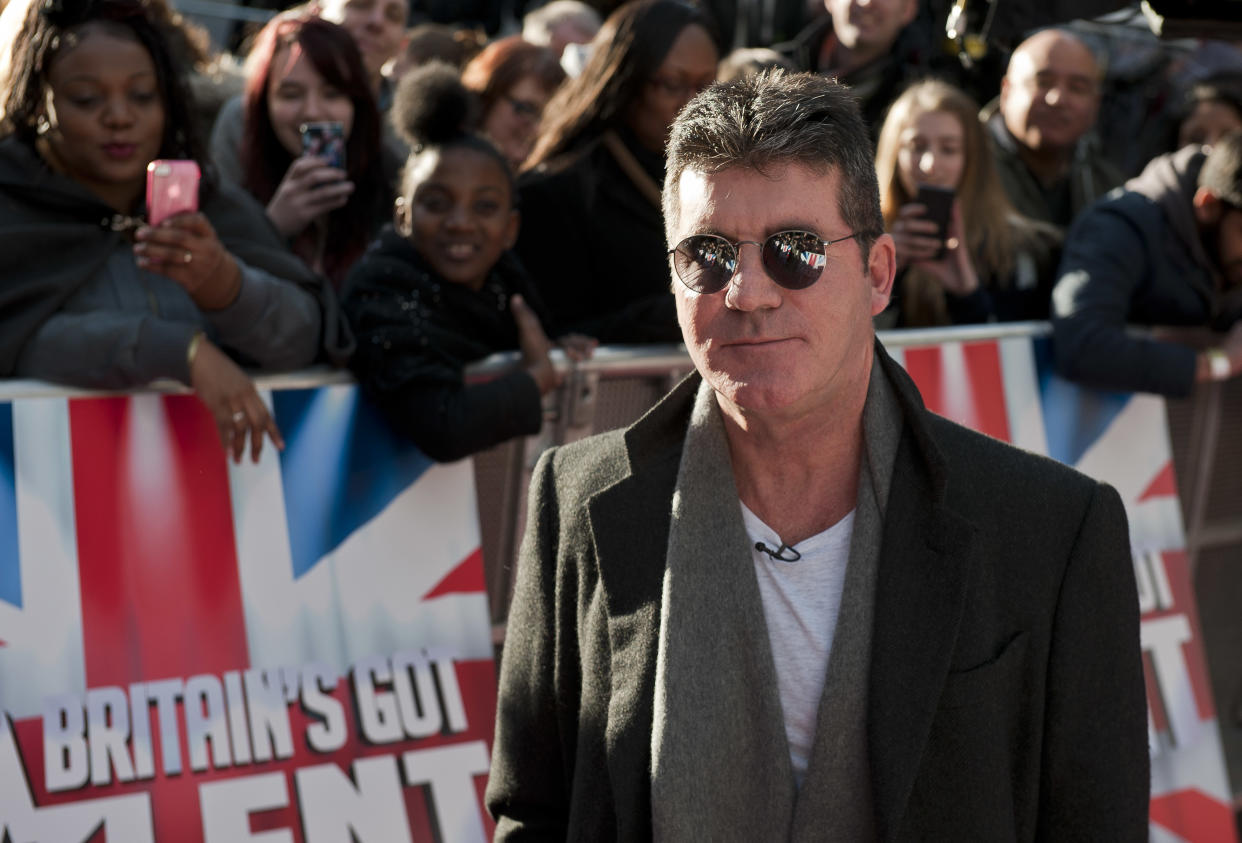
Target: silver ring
[239,417]
[188,256]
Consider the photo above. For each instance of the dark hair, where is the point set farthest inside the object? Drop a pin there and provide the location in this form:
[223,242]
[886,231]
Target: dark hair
[772,119]
[1222,171]
[626,53]
[434,111]
[52,25]
[428,42]
[335,57]
[493,73]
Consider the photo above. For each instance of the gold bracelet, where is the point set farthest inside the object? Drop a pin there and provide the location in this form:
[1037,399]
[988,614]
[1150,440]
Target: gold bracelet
[191,350]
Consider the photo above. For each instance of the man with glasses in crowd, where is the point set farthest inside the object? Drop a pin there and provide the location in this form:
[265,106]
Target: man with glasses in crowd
[789,602]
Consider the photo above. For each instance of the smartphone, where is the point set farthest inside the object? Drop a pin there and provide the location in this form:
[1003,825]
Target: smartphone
[172,187]
[939,204]
[326,140]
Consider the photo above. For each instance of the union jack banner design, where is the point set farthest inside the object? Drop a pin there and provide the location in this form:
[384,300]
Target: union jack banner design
[192,650]
[1007,389]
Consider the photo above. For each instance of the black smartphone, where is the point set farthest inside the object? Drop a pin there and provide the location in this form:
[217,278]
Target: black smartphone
[327,140]
[939,204]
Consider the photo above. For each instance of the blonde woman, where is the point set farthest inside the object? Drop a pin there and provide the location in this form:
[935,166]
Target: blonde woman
[992,264]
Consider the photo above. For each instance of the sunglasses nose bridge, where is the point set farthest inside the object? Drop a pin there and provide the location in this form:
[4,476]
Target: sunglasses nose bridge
[737,257]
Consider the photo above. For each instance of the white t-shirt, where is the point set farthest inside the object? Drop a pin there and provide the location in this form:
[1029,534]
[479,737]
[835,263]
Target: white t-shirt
[801,601]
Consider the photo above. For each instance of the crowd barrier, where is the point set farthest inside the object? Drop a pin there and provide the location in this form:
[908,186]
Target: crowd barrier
[162,610]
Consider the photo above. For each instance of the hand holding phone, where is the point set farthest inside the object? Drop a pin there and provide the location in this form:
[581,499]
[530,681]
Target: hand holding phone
[172,188]
[325,140]
[938,202]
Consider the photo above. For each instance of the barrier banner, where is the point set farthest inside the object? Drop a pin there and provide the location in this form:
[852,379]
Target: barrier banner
[1007,389]
[192,650]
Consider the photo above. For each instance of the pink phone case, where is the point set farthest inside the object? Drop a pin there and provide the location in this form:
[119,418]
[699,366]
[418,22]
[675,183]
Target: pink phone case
[172,187]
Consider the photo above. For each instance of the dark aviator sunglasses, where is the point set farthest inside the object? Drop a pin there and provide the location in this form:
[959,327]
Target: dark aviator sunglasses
[795,260]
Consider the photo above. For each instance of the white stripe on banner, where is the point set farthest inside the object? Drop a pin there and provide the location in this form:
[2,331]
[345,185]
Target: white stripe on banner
[44,637]
[1113,459]
[1025,412]
[364,598]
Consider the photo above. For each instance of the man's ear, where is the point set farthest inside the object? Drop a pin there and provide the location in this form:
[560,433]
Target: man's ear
[1207,207]
[881,270]
[401,217]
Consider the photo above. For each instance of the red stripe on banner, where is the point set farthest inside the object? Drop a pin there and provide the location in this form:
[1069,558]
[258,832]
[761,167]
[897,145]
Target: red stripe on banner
[156,555]
[982,405]
[1163,486]
[924,367]
[1194,816]
[987,385]
[466,578]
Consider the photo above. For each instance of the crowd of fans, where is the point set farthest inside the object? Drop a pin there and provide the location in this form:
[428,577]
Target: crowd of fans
[406,201]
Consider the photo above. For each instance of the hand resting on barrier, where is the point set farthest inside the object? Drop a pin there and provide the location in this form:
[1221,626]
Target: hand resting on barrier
[233,402]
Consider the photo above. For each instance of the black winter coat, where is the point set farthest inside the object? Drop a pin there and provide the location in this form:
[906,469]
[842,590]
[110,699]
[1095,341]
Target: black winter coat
[416,335]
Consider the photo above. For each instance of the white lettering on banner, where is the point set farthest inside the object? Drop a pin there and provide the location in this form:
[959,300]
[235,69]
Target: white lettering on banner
[334,808]
[377,712]
[64,748]
[424,693]
[140,736]
[237,717]
[330,731]
[1163,639]
[107,724]
[204,721]
[227,807]
[105,735]
[269,716]
[450,771]
[1153,582]
[166,692]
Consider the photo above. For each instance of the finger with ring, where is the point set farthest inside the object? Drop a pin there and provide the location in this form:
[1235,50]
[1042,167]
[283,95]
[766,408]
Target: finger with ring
[187,257]
[239,417]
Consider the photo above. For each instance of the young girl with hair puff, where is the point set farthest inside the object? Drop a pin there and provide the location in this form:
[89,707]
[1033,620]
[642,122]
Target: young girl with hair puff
[440,287]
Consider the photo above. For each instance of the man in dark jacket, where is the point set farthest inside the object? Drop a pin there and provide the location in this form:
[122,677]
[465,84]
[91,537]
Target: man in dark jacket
[790,603]
[1166,251]
[870,47]
[1040,129]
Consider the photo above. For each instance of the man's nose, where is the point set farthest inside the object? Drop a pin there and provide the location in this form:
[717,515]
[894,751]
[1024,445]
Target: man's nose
[1054,95]
[751,288]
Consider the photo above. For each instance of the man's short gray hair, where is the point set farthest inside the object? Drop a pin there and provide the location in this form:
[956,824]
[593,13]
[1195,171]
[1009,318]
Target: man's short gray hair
[773,119]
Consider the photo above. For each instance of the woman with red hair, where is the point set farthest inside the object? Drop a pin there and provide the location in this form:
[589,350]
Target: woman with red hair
[305,70]
[514,80]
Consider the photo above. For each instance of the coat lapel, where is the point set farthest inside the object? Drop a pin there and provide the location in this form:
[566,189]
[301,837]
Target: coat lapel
[925,564]
[630,523]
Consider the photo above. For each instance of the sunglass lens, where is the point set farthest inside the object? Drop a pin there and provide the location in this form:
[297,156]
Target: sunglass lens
[794,259]
[705,263]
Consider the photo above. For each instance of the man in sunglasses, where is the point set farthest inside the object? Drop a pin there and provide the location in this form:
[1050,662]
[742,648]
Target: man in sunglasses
[791,603]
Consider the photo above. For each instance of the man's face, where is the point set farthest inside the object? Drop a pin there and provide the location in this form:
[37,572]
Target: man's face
[1050,93]
[377,27]
[764,349]
[869,24]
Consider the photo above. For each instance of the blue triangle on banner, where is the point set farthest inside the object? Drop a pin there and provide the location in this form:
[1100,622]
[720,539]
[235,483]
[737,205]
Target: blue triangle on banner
[342,465]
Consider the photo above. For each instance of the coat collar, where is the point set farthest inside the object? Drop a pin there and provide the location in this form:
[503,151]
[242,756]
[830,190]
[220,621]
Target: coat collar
[920,593]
